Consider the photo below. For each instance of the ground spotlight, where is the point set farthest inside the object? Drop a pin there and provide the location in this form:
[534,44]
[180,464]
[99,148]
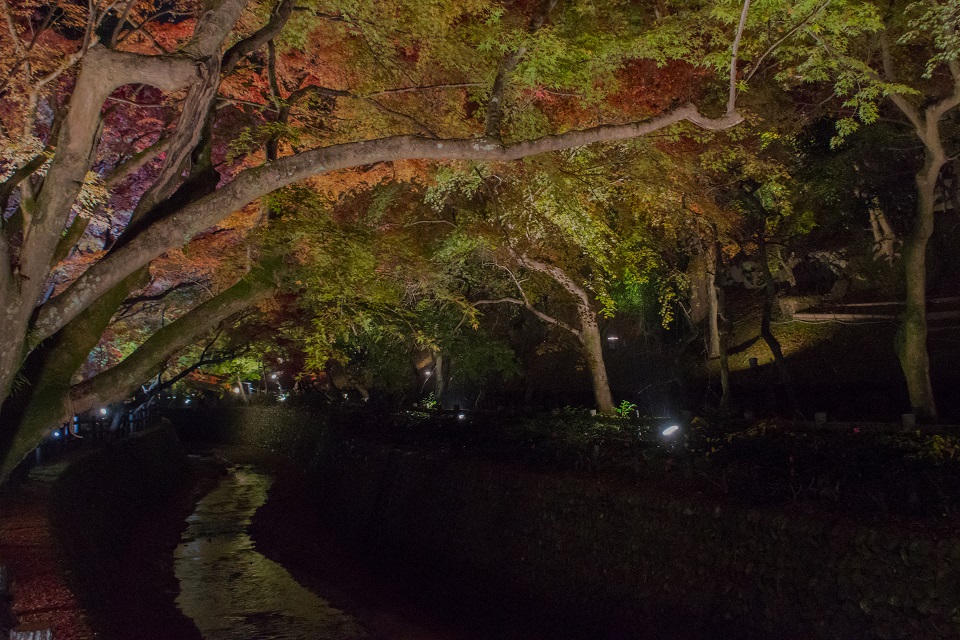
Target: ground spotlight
[669,431]
[103,411]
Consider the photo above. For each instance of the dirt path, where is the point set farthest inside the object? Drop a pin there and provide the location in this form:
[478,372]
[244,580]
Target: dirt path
[40,593]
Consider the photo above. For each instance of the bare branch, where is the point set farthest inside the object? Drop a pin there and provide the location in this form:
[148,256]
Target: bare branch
[121,20]
[732,98]
[136,162]
[507,66]
[529,307]
[419,126]
[786,36]
[129,302]
[281,13]
[428,87]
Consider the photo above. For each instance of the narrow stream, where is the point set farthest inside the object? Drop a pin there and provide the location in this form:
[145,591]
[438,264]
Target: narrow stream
[230,591]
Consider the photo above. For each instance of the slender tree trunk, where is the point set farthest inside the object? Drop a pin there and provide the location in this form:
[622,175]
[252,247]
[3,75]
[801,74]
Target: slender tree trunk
[912,336]
[725,327]
[439,378]
[884,237]
[713,313]
[770,298]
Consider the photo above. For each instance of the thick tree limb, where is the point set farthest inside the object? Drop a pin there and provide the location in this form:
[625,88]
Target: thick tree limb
[118,382]
[237,52]
[213,27]
[136,162]
[177,229]
[427,87]
[23,172]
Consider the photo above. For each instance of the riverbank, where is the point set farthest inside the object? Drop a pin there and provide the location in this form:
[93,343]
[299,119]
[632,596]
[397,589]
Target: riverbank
[117,514]
[608,555]
[390,604]
[40,593]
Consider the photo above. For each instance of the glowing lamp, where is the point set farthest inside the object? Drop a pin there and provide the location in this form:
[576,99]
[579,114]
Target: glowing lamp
[669,431]
[103,411]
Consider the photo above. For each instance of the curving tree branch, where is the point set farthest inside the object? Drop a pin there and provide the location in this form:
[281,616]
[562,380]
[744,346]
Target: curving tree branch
[178,228]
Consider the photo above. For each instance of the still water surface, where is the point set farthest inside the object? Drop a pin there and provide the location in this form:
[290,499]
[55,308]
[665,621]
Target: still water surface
[230,591]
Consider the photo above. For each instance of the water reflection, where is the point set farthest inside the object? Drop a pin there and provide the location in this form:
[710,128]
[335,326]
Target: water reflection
[232,592]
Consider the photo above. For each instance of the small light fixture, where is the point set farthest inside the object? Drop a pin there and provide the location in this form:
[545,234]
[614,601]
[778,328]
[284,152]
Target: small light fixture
[103,411]
[669,431]
[236,389]
[187,401]
[428,372]
[56,434]
[462,416]
[273,376]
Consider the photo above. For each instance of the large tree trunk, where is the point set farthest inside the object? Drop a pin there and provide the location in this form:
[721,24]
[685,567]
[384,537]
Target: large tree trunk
[588,334]
[912,336]
[593,353]
[41,403]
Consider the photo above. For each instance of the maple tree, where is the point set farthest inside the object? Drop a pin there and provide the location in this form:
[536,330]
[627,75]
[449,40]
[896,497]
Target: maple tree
[584,222]
[145,124]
